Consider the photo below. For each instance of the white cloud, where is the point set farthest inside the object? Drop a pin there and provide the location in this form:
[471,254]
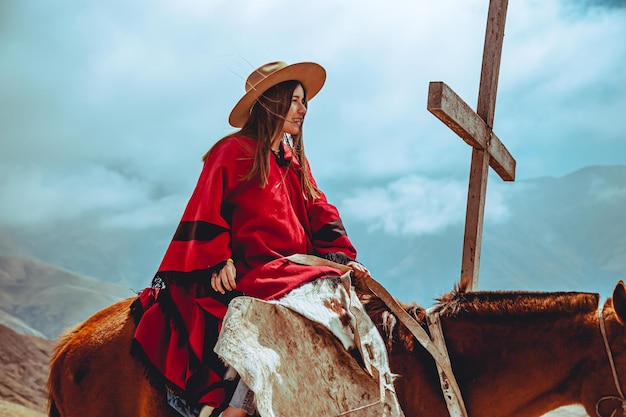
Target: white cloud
[562,88]
[147,86]
[31,197]
[417,205]
[149,213]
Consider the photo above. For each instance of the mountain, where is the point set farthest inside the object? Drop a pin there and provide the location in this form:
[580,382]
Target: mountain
[23,373]
[560,234]
[40,299]
[112,254]
[37,303]
[564,233]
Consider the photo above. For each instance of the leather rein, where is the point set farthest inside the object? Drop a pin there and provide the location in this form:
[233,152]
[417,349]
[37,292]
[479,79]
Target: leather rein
[620,397]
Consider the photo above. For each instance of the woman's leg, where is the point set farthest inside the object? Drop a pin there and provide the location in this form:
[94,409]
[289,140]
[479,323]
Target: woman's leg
[243,400]
[241,404]
[229,412]
[206,411]
[233,412]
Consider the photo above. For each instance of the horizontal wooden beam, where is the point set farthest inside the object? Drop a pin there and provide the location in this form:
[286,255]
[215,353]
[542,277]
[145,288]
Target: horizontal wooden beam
[448,107]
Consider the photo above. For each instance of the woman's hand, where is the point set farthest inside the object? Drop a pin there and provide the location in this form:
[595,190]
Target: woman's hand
[358,270]
[224,280]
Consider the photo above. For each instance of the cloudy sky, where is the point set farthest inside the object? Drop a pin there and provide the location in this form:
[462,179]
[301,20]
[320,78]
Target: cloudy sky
[107,107]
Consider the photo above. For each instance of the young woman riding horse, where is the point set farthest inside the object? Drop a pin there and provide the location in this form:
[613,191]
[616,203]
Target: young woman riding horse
[255,202]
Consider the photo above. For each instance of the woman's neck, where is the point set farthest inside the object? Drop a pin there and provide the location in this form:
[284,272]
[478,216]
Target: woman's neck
[275,146]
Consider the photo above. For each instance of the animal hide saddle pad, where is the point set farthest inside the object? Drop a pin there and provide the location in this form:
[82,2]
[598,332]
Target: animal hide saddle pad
[295,353]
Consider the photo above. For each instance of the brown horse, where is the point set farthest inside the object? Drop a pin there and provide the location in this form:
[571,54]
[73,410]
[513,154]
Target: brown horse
[514,354]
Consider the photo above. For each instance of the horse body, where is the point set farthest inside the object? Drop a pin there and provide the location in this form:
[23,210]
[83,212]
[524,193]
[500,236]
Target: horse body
[514,354]
[93,374]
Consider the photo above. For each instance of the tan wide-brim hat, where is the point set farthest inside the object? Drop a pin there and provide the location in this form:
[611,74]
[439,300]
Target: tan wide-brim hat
[309,74]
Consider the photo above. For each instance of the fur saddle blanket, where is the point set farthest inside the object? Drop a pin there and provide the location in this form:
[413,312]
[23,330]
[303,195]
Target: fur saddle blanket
[314,353]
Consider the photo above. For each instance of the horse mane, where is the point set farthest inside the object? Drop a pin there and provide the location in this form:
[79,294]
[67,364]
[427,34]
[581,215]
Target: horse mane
[458,303]
[56,374]
[461,304]
[387,322]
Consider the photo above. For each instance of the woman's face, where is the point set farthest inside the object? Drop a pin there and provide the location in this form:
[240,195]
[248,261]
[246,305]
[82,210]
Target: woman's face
[297,110]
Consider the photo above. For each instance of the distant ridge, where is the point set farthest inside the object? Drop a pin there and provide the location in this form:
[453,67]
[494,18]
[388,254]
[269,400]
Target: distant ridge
[560,233]
[565,233]
[37,298]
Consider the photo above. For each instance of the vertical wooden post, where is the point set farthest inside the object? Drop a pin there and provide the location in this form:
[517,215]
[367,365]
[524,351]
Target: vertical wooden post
[476,128]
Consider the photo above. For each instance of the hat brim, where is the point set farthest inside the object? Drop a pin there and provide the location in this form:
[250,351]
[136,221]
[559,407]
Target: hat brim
[311,75]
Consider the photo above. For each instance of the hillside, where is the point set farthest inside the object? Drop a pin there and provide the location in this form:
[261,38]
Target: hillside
[40,299]
[23,373]
[9,409]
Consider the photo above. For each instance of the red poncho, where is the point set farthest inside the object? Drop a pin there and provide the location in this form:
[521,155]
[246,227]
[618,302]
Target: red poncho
[228,217]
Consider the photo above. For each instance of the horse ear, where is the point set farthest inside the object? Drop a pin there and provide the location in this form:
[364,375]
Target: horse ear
[619,300]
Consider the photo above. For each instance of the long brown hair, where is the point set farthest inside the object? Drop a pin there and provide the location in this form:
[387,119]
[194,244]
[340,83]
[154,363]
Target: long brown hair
[265,124]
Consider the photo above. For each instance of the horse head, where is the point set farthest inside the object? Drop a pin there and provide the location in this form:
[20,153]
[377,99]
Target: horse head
[603,390]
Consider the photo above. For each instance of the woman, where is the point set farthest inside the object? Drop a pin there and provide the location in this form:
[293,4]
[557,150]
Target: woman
[255,203]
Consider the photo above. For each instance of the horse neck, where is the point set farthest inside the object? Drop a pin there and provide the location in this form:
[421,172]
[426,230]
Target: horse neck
[519,365]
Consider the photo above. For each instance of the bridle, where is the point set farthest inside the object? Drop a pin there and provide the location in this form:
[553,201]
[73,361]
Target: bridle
[609,354]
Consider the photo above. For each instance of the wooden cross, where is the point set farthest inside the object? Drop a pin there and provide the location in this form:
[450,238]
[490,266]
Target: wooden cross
[475,128]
